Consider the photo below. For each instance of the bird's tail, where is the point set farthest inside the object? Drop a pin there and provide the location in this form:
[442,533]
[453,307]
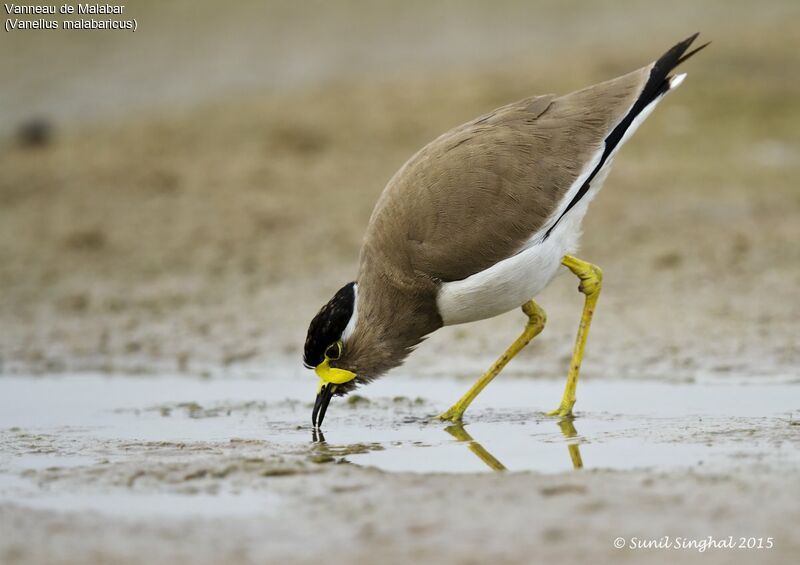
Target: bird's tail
[658,83]
[660,80]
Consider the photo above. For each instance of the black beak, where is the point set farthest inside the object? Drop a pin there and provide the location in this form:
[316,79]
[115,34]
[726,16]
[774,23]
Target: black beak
[321,405]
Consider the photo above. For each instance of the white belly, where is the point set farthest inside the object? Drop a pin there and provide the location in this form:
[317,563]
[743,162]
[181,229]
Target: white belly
[510,283]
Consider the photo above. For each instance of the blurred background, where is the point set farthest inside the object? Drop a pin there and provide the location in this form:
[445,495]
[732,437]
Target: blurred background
[183,199]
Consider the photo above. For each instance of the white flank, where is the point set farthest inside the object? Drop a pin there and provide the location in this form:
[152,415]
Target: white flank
[511,282]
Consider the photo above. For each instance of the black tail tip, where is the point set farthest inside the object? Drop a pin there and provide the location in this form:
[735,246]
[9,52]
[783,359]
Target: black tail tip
[680,48]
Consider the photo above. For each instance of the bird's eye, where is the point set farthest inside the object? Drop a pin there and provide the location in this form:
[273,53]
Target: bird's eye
[334,351]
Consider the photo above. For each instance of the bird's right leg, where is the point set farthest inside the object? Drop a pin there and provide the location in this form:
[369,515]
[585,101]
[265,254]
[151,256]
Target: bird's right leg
[591,278]
[536,321]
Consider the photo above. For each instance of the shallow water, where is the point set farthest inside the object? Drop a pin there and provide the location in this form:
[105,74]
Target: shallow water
[71,429]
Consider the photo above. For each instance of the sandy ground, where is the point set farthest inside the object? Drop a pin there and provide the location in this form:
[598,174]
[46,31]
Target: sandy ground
[197,237]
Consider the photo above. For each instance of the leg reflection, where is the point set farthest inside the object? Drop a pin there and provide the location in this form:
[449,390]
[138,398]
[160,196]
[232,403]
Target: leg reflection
[565,424]
[569,431]
[458,432]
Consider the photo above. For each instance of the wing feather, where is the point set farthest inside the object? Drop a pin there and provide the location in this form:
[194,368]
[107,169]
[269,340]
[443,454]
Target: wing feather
[476,194]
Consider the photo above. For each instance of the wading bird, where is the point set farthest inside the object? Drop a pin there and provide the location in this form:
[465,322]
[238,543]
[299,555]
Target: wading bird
[476,224]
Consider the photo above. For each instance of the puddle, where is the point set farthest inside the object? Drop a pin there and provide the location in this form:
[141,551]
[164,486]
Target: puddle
[587,443]
[83,422]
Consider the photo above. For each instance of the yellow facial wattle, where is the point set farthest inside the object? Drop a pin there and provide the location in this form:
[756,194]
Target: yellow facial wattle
[332,375]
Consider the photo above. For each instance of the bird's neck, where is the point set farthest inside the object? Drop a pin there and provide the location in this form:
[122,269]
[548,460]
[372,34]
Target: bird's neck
[392,320]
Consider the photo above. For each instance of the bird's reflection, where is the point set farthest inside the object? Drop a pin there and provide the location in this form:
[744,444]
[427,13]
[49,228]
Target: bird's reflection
[324,452]
[458,432]
[566,426]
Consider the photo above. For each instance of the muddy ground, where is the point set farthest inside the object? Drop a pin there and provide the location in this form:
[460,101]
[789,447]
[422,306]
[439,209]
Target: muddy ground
[99,469]
[192,230]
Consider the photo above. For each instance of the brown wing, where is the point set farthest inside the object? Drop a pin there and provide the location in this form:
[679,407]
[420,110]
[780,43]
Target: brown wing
[476,194]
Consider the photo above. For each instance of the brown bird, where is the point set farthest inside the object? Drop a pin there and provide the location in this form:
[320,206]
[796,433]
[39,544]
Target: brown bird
[477,223]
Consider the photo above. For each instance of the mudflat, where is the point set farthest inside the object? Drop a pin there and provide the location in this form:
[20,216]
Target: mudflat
[161,256]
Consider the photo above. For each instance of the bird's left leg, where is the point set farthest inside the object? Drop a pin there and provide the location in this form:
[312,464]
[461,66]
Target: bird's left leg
[536,320]
[591,278]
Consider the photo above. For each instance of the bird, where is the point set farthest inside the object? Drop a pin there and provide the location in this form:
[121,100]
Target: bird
[477,223]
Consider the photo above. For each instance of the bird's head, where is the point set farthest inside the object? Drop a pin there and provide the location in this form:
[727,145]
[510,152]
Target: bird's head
[359,335]
[326,349]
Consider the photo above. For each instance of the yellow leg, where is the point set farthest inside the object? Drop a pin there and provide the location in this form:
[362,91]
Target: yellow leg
[536,321]
[591,281]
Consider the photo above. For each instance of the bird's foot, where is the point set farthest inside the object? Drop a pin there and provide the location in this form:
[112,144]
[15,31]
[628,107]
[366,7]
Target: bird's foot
[453,414]
[563,411]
